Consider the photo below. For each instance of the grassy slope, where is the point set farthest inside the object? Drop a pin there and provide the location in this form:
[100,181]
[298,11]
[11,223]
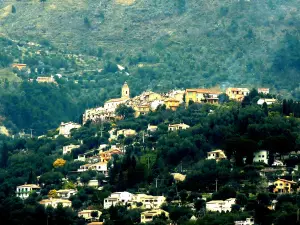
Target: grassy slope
[211,42]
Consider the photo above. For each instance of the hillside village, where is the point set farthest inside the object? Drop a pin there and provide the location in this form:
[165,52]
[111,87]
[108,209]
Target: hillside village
[151,156]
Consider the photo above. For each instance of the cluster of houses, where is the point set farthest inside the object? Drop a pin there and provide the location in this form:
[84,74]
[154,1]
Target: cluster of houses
[149,101]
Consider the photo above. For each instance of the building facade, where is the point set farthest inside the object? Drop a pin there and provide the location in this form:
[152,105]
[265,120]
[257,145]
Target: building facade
[65,128]
[23,191]
[148,216]
[180,126]
[220,205]
[217,155]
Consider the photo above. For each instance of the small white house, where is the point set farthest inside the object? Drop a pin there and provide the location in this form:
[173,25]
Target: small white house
[68,148]
[117,198]
[100,167]
[261,156]
[65,128]
[23,191]
[66,193]
[248,221]
[54,202]
[179,126]
[268,101]
[93,183]
[220,205]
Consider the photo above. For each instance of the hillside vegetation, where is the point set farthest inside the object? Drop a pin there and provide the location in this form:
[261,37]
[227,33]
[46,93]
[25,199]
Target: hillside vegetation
[178,43]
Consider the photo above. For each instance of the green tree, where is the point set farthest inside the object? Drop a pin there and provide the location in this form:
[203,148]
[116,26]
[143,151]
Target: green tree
[125,111]
[4,155]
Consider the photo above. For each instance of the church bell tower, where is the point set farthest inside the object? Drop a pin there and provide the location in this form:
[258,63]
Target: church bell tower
[125,91]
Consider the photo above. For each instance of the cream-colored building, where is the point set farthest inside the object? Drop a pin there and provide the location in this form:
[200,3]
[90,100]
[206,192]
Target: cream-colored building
[201,95]
[216,154]
[87,214]
[46,80]
[126,132]
[66,193]
[148,201]
[179,126]
[263,90]
[65,128]
[148,216]
[54,202]
[151,128]
[23,191]
[237,94]
[68,148]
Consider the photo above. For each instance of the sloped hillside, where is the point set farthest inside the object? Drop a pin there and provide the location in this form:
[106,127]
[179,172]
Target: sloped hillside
[174,43]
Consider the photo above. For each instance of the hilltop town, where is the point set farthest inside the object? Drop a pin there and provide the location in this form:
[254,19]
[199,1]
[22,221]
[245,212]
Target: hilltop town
[194,156]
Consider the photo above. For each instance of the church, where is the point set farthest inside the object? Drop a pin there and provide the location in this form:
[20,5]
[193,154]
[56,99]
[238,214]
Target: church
[112,104]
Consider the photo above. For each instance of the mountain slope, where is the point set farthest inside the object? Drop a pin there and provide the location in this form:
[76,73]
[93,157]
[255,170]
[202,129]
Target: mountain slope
[178,43]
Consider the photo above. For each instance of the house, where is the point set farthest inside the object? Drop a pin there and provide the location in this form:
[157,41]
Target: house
[180,126]
[148,201]
[142,109]
[93,183]
[99,167]
[87,214]
[147,216]
[97,114]
[105,156]
[126,132]
[217,155]
[117,198]
[46,80]
[151,128]
[268,101]
[23,191]
[283,186]
[150,96]
[65,128]
[261,156]
[263,90]
[54,202]
[19,66]
[220,205]
[66,193]
[177,94]
[171,103]
[68,148]
[201,95]
[248,221]
[237,94]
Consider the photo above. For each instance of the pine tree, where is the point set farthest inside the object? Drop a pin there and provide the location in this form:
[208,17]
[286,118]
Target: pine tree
[13,9]
[4,155]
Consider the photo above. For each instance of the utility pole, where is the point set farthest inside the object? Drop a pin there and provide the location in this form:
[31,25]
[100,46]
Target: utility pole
[216,185]
[156,179]
[143,137]
[31,132]
[101,128]
[181,166]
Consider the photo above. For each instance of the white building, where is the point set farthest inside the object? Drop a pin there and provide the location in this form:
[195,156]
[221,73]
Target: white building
[216,154]
[99,167]
[93,183]
[268,101]
[66,193]
[23,191]
[54,202]
[248,221]
[220,205]
[87,214]
[65,128]
[151,128]
[117,198]
[261,156]
[180,126]
[68,149]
